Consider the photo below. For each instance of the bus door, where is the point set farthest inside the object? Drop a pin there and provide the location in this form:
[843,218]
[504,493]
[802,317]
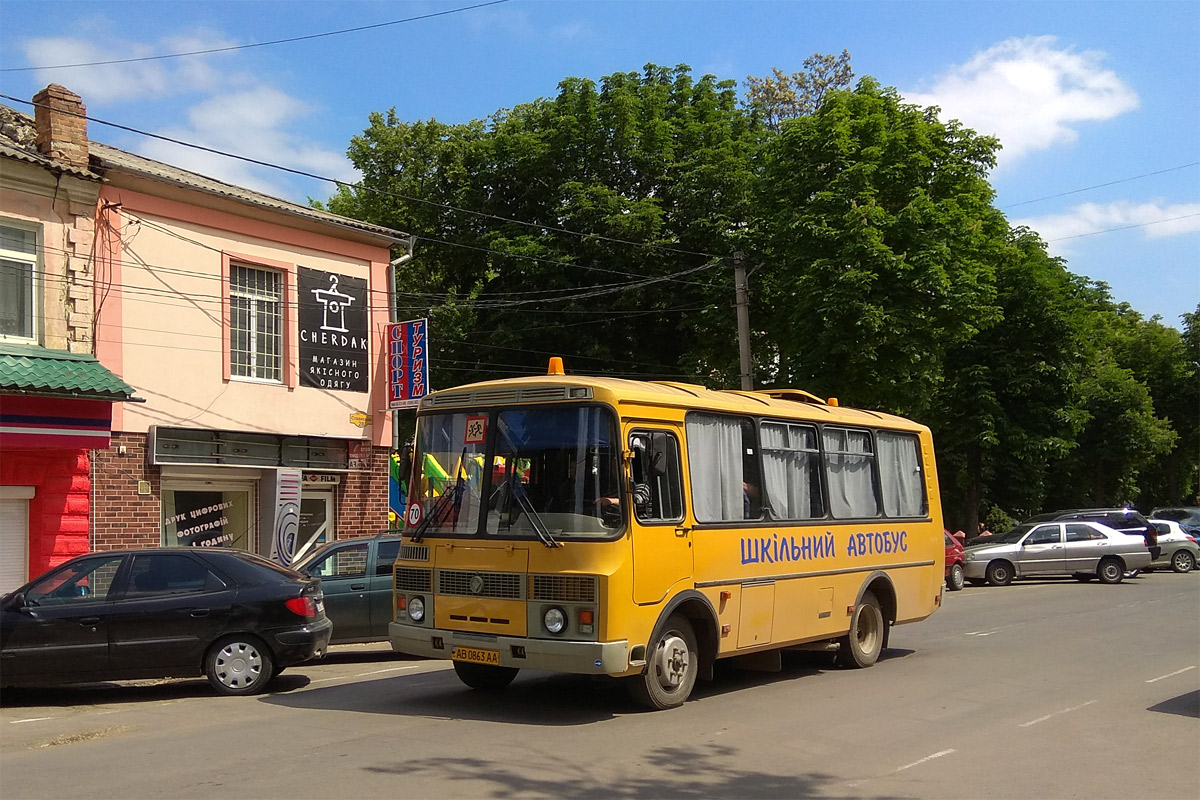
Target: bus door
[662,541]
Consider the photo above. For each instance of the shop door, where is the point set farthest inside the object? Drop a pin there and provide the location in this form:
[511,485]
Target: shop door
[14,536]
[316,525]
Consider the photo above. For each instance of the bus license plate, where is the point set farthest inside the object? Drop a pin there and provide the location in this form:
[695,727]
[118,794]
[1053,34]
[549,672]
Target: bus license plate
[476,656]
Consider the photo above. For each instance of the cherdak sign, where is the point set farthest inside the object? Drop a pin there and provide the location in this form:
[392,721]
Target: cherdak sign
[333,330]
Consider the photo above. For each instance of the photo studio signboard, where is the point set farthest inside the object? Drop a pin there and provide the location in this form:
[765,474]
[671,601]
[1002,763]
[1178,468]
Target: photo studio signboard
[333,330]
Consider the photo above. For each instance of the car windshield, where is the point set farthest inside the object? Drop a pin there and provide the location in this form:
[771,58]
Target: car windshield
[1009,537]
[552,472]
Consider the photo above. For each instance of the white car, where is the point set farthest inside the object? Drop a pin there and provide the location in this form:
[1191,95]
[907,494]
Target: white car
[1180,551]
[1082,549]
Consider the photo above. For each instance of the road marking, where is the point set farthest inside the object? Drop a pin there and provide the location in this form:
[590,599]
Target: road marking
[364,674]
[1056,713]
[1171,674]
[927,758]
[31,719]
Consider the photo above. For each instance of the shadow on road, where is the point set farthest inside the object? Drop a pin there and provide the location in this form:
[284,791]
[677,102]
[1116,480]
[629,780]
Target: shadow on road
[669,771]
[1185,705]
[535,698]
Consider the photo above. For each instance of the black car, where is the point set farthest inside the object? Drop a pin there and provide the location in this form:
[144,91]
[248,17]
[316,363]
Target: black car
[1125,520]
[356,576]
[165,612]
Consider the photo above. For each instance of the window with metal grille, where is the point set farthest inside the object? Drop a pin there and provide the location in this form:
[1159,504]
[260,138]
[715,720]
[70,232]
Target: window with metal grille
[255,323]
[18,266]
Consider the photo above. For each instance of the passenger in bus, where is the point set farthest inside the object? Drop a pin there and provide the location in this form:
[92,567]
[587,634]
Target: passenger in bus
[751,504]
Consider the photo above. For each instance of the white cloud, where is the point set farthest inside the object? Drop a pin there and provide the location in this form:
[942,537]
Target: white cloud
[139,80]
[1154,220]
[254,123]
[1030,93]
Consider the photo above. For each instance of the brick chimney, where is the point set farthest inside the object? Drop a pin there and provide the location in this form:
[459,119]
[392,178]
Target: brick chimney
[61,126]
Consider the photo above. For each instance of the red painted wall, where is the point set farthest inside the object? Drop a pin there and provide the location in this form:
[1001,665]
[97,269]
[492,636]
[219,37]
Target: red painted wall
[58,511]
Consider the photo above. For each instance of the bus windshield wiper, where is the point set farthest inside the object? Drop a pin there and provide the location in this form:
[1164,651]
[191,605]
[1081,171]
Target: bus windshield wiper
[535,520]
[442,504]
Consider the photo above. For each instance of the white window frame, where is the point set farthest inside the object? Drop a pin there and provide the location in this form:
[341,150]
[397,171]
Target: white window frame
[258,302]
[35,261]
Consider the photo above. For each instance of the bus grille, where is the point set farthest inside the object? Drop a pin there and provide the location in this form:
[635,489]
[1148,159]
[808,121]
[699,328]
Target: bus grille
[414,552]
[506,585]
[413,580]
[563,588]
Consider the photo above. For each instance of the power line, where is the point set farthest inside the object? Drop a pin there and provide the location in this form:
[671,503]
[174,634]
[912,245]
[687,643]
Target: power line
[1123,228]
[1102,185]
[313,176]
[258,44]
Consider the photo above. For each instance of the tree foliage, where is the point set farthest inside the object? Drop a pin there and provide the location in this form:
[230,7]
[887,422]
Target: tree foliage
[598,224]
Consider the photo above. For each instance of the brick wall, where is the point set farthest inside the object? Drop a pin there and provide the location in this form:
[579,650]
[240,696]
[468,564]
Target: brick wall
[362,498]
[120,516]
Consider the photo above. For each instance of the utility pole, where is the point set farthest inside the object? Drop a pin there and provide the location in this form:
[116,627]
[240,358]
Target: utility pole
[743,319]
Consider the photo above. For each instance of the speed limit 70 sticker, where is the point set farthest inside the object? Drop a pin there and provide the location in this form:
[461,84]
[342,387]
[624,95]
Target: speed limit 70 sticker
[476,430]
[414,514]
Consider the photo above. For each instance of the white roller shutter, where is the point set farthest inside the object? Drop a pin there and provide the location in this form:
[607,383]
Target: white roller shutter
[14,536]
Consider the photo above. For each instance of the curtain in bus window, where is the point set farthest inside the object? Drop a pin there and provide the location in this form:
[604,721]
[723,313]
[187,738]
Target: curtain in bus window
[900,474]
[788,466]
[848,458]
[715,457]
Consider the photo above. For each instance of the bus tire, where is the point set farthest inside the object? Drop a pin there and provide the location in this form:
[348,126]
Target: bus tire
[484,677]
[862,645]
[671,668]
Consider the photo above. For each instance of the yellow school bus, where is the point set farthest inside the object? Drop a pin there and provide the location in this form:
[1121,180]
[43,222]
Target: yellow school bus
[645,529]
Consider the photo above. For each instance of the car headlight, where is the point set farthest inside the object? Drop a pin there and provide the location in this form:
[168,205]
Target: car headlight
[416,609]
[555,620]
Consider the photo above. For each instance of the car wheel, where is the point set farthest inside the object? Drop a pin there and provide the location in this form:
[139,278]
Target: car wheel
[1110,571]
[1083,577]
[484,677]
[999,573]
[1182,561]
[954,581]
[239,665]
[862,645]
[671,669]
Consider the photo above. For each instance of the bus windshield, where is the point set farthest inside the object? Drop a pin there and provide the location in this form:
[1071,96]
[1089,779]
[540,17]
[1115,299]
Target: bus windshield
[553,472]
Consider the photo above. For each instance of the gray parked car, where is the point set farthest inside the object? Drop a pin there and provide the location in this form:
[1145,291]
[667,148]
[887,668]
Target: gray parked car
[1179,549]
[1085,550]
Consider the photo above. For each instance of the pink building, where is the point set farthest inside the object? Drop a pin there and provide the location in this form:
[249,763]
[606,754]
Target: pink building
[253,328]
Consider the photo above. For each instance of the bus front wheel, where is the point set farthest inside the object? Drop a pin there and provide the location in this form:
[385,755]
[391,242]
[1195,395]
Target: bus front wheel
[671,669]
[484,676]
[863,644]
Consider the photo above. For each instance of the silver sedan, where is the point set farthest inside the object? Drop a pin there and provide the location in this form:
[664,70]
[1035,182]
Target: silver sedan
[1085,550]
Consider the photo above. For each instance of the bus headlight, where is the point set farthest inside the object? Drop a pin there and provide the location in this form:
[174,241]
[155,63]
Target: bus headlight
[416,609]
[555,620]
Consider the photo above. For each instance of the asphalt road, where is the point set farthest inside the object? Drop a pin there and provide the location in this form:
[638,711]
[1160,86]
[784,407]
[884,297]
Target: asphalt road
[1042,689]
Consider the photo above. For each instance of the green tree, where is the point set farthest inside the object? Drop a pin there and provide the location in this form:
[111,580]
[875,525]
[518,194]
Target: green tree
[600,213]
[878,244]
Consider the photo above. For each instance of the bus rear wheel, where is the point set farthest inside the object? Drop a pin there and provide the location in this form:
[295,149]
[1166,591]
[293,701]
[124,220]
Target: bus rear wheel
[863,644]
[671,669]
[484,677]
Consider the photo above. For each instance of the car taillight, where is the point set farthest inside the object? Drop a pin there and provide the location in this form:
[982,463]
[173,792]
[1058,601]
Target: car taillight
[303,606]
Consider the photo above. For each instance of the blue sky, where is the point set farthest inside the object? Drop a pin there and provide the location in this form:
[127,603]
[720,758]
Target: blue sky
[1081,93]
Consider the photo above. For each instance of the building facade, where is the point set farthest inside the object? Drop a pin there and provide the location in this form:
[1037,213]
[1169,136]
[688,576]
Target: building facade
[56,400]
[254,330]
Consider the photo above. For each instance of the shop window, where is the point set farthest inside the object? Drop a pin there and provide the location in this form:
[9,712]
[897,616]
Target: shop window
[18,284]
[207,518]
[255,323]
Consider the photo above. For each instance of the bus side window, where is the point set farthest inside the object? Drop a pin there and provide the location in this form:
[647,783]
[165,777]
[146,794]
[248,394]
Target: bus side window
[657,477]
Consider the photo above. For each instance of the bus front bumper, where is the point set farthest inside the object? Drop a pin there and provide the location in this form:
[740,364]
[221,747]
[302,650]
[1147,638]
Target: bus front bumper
[554,655]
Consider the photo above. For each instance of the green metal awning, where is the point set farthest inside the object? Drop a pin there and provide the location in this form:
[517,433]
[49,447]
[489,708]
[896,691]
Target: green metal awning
[32,370]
